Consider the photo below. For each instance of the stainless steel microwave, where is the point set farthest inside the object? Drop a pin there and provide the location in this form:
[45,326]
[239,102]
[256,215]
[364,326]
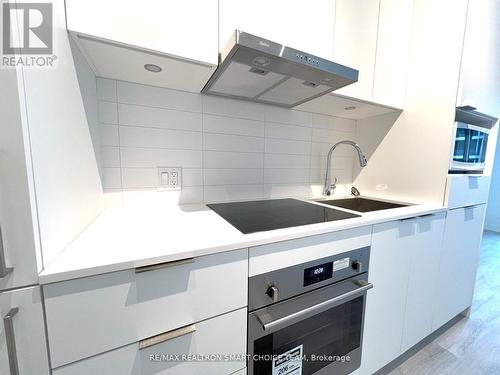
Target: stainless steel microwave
[472,130]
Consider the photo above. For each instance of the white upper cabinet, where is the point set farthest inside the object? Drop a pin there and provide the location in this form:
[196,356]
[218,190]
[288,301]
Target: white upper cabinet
[119,38]
[393,52]
[480,74]
[306,26]
[355,43]
[185,28]
[374,37]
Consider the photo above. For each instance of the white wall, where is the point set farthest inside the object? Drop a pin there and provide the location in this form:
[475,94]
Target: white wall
[67,183]
[229,150]
[493,208]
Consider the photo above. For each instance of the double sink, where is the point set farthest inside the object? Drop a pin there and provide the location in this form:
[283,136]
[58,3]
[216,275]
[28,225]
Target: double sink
[359,204]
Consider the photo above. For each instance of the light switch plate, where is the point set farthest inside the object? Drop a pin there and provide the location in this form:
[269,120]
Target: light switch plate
[169,178]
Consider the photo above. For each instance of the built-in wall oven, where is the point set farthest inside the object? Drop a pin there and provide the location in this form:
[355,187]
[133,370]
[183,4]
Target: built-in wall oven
[308,319]
[472,130]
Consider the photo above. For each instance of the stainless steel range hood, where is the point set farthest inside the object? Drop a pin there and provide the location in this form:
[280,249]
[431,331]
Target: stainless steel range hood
[256,69]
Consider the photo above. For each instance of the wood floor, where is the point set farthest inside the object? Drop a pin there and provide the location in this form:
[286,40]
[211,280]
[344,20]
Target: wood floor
[472,345]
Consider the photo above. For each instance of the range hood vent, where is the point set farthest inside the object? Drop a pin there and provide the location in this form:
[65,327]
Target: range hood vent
[256,69]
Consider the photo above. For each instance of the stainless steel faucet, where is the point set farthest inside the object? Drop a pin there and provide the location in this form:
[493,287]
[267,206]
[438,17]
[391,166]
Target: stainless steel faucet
[329,187]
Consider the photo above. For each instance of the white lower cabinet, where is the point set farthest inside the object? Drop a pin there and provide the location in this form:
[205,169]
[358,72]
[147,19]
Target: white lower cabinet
[385,304]
[219,337]
[423,274]
[22,334]
[462,242]
[404,266]
[89,316]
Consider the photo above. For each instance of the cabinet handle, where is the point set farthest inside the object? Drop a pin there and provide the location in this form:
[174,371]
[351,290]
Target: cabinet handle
[426,215]
[158,266]
[11,340]
[162,337]
[4,270]
[407,218]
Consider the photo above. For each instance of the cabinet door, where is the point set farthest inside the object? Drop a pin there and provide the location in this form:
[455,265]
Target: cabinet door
[479,75]
[355,43]
[27,336]
[424,267]
[385,304]
[393,52]
[185,28]
[306,26]
[457,270]
[16,198]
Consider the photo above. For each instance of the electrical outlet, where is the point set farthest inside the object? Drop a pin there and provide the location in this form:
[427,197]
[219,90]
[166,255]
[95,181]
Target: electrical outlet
[169,178]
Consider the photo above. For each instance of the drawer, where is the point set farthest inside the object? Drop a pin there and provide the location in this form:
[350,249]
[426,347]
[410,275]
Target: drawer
[284,254]
[95,314]
[223,335]
[463,190]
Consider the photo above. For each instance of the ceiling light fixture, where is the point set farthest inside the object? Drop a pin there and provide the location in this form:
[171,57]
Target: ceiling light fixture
[261,61]
[152,68]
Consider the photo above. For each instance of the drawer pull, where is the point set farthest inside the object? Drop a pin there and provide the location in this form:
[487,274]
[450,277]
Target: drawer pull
[11,340]
[426,215]
[4,270]
[158,266]
[146,343]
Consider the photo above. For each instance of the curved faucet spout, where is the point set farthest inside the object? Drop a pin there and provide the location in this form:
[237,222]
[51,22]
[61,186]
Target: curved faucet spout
[329,187]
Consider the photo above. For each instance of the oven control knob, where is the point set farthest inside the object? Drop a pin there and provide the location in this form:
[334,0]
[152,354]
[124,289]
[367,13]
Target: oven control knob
[357,266]
[272,292]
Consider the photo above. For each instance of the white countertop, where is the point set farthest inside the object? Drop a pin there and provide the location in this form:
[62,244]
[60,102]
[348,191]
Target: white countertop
[125,238]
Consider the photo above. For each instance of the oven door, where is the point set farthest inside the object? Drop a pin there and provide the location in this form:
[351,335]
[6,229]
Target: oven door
[319,332]
[469,152]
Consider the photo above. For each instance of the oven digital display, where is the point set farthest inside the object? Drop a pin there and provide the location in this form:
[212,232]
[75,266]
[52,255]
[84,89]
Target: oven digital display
[316,274]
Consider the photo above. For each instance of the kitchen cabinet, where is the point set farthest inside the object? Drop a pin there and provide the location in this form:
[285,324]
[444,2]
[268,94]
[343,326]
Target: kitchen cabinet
[355,43]
[386,303]
[479,73]
[425,251]
[22,315]
[186,29]
[148,302]
[393,52]
[457,271]
[307,26]
[404,266]
[374,37]
[223,335]
[18,233]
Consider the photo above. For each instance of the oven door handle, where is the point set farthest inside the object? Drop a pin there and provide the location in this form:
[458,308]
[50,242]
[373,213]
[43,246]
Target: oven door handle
[268,324]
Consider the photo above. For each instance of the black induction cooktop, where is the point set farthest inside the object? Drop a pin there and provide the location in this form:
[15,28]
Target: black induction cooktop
[257,216]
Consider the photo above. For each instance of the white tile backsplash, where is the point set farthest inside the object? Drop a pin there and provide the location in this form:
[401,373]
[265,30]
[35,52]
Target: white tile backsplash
[283,131]
[109,135]
[132,93]
[108,112]
[133,136]
[288,116]
[222,159]
[155,157]
[224,142]
[228,149]
[136,115]
[106,89]
[231,125]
